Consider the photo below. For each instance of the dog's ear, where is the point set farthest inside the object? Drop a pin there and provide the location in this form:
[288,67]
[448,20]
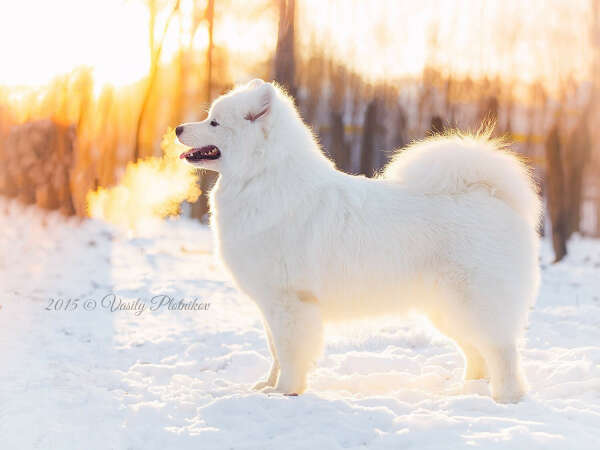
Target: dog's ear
[260,108]
[255,83]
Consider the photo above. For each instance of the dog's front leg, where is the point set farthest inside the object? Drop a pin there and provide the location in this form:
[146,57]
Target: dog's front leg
[297,331]
[274,372]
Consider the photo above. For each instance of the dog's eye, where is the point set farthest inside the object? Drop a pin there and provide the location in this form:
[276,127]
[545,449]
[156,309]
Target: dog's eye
[214,123]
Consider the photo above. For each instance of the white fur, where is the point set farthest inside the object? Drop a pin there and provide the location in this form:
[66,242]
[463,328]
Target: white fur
[448,230]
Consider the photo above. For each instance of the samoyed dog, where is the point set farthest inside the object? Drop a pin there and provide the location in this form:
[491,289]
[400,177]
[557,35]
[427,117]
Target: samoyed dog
[448,229]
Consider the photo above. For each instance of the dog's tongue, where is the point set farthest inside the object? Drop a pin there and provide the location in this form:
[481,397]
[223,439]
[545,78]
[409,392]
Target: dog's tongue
[189,152]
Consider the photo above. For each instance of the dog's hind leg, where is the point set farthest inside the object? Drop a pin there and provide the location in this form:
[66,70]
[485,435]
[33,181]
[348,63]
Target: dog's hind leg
[506,376]
[274,372]
[475,367]
[297,331]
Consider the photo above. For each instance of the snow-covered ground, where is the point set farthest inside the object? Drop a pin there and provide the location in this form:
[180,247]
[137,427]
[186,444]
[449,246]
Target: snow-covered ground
[96,379]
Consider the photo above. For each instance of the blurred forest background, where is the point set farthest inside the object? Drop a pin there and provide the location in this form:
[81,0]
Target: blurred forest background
[367,76]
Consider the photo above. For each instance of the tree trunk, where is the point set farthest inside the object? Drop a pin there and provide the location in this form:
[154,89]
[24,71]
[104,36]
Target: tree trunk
[367,149]
[339,149]
[595,93]
[285,63]
[156,51]
[555,192]
[177,113]
[579,149]
[401,129]
[207,178]
[210,17]
[436,126]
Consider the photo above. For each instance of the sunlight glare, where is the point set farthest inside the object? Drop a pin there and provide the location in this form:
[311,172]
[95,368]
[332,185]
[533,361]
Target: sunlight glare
[52,38]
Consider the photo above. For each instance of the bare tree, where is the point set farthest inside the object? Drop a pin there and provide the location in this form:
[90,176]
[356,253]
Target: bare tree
[312,80]
[401,128]
[339,149]
[367,148]
[436,126]
[210,18]
[155,53]
[595,38]
[207,179]
[285,63]
[555,188]
[579,150]
[180,85]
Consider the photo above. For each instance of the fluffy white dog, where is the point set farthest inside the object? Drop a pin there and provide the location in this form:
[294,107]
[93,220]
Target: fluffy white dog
[448,230]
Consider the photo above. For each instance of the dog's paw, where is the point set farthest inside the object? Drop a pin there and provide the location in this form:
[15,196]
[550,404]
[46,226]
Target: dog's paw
[275,390]
[509,396]
[261,385]
[512,392]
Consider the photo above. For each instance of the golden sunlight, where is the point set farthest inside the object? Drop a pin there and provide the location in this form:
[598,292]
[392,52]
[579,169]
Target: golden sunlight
[464,36]
[52,38]
[118,73]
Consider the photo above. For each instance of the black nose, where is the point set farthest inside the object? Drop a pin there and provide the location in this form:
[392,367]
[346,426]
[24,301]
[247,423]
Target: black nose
[179,130]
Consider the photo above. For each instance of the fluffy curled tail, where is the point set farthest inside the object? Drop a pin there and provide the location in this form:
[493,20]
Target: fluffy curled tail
[455,163]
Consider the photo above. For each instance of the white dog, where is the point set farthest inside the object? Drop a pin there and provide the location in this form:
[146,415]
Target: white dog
[448,230]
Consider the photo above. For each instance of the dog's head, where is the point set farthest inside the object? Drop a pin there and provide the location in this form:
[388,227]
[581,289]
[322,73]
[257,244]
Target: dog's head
[233,138]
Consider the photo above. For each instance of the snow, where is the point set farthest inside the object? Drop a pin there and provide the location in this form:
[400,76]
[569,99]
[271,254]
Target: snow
[97,379]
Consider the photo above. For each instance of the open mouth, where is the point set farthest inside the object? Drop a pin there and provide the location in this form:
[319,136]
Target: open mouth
[202,153]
